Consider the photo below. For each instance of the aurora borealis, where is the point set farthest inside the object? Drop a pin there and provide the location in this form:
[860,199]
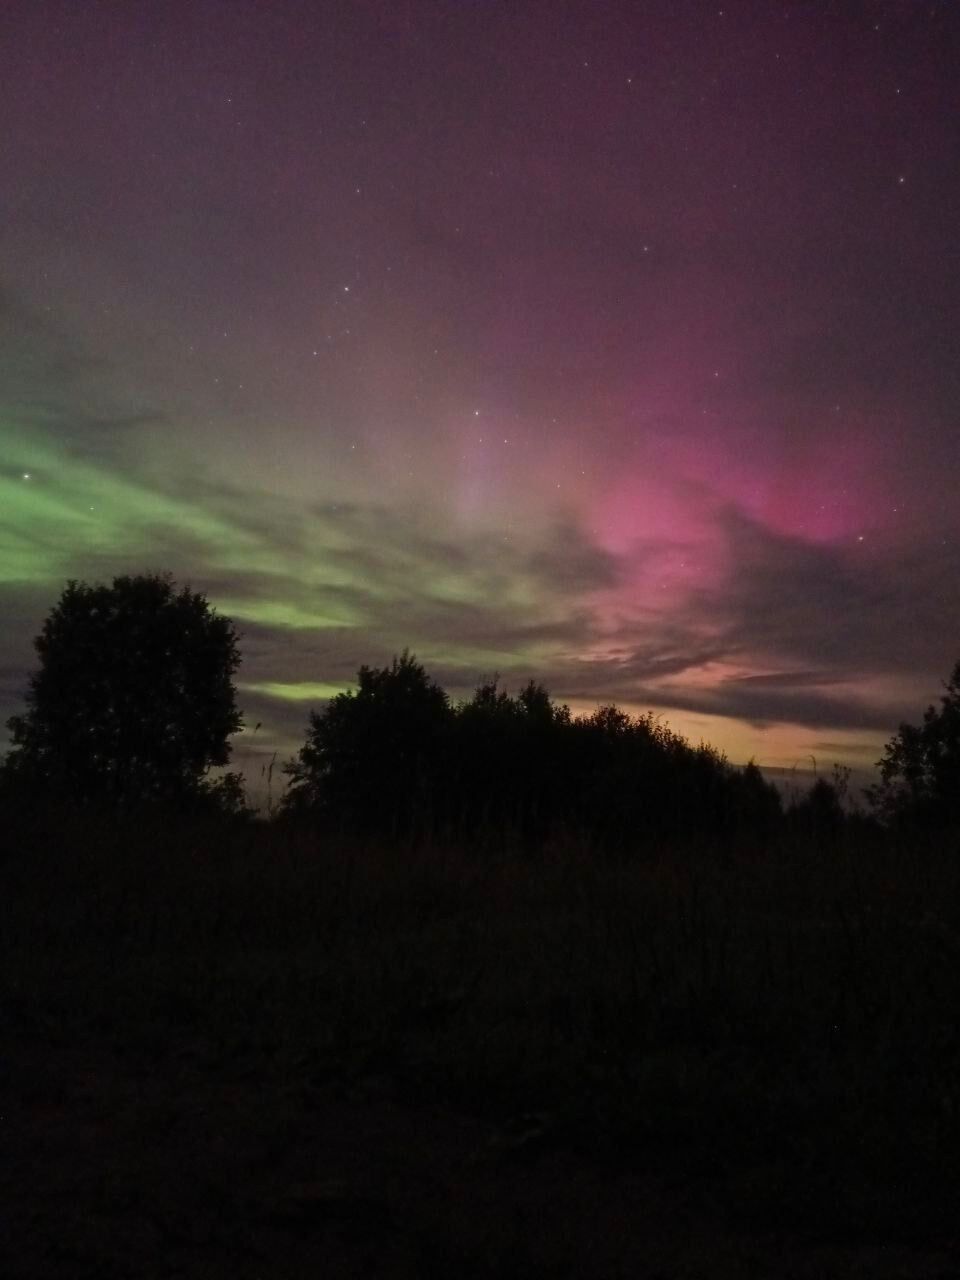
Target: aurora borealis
[614,345]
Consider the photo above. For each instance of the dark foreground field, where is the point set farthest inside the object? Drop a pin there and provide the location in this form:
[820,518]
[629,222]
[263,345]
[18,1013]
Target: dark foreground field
[253,1054]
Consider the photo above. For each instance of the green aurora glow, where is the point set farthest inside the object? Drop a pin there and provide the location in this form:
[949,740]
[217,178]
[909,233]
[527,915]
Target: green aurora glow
[318,590]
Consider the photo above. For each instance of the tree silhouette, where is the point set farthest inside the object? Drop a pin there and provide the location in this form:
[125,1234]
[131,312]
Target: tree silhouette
[373,756]
[920,768]
[505,772]
[134,698]
[819,813]
[395,757]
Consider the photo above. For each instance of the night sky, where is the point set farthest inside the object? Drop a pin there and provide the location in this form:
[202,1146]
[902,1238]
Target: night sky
[612,344]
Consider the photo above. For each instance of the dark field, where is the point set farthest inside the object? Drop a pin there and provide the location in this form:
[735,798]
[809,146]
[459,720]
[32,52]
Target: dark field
[250,1052]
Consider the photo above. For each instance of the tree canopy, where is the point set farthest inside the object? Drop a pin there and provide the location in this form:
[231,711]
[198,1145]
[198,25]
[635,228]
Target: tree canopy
[134,697]
[396,756]
[920,767]
[373,752]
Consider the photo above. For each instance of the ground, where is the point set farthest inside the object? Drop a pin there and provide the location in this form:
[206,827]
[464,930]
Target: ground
[132,1165]
[256,1056]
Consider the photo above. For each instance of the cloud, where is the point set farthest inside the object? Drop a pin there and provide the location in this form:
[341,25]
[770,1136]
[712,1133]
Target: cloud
[785,680]
[867,749]
[56,394]
[791,632]
[834,607]
[36,354]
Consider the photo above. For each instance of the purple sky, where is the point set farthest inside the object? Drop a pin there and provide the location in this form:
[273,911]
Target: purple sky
[612,344]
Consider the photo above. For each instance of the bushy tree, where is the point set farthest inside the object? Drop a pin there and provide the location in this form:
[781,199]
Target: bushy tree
[920,768]
[374,756]
[394,756]
[818,814]
[506,774]
[134,698]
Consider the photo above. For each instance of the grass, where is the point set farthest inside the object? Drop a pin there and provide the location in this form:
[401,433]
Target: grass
[778,1032]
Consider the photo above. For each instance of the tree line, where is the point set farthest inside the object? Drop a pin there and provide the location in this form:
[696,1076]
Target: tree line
[134,703]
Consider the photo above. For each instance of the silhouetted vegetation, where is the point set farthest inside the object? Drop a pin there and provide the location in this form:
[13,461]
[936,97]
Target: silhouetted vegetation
[134,703]
[373,756]
[753,1018]
[819,813]
[396,757]
[920,769]
[134,699]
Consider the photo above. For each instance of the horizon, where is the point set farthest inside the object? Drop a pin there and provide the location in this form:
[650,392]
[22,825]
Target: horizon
[254,762]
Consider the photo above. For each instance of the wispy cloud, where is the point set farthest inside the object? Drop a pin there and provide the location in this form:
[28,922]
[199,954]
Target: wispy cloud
[791,632]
